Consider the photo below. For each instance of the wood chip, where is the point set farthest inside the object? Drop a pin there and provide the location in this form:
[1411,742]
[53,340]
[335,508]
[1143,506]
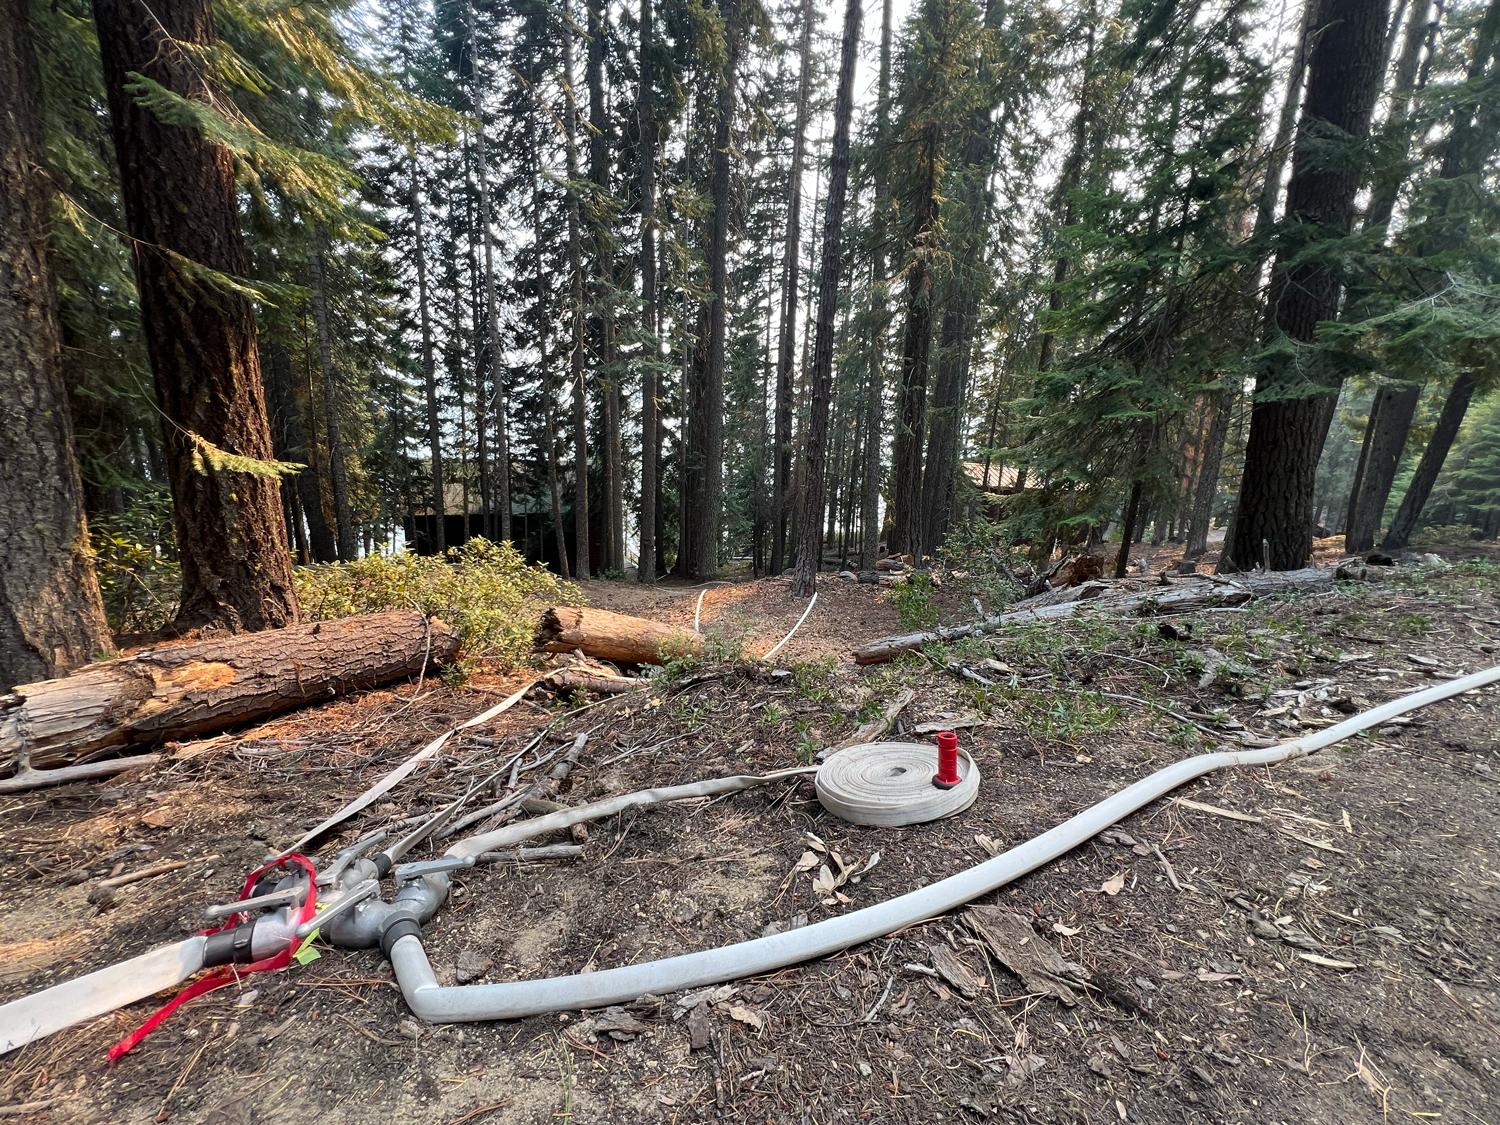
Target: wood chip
[966,983]
[1020,949]
[1215,810]
[1327,962]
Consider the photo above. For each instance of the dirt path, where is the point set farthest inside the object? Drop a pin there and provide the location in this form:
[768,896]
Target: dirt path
[1329,952]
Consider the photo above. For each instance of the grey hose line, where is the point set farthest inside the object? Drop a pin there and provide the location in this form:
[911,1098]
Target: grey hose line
[457,1004]
[512,834]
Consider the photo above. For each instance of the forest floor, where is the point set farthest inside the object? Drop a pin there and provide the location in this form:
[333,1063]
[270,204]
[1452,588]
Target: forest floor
[1318,942]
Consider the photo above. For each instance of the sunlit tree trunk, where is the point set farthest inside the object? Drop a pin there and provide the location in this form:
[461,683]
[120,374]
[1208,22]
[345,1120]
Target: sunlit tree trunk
[180,205]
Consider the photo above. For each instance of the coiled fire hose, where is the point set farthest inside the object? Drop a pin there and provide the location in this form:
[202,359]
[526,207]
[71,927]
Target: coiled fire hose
[455,1004]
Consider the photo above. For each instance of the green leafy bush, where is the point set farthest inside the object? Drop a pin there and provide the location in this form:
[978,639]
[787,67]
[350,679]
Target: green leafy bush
[487,591]
[914,602]
[135,558]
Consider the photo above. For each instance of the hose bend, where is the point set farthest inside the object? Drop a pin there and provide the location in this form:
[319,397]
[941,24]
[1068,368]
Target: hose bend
[469,1003]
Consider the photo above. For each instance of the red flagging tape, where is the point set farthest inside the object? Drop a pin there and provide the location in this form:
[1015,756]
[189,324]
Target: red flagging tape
[226,974]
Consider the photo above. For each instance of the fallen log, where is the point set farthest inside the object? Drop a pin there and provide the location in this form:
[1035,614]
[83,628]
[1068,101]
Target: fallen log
[613,636]
[1178,597]
[185,690]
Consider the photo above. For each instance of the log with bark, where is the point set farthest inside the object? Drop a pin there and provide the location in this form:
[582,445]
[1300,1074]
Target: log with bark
[613,636]
[186,690]
[1097,597]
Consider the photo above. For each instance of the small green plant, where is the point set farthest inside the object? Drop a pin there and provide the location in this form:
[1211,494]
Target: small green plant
[813,680]
[1414,624]
[914,601]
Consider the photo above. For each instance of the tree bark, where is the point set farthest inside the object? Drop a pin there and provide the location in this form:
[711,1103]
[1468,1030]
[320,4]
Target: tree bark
[810,549]
[916,349]
[1287,425]
[1128,524]
[180,205]
[603,327]
[183,691]
[51,614]
[869,499]
[706,428]
[791,273]
[495,401]
[332,429]
[1455,406]
[576,376]
[543,322]
[613,636]
[429,367]
[646,108]
[1207,488]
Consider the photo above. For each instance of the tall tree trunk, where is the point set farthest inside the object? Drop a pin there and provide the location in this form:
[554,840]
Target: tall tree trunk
[51,614]
[545,377]
[916,348]
[869,492]
[429,366]
[603,327]
[1455,406]
[332,428]
[1471,143]
[1128,526]
[576,376]
[179,194]
[495,401]
[810,549]
[646,110]
[707,427]
[1207,489]
[1390,420]
[790,288]
[1286,433]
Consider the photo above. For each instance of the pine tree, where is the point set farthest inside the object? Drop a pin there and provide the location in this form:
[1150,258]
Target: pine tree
[1273,517]
[51,612]
[180,206]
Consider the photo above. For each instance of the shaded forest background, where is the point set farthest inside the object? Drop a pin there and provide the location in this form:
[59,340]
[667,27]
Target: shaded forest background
[647,289]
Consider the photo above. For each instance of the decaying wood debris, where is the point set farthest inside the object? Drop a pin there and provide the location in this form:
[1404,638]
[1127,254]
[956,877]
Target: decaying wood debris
[187,690]
[1115,599]
[613,636]
[1011,941]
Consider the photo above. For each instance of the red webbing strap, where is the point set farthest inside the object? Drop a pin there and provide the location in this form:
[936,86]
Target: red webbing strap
[225,974]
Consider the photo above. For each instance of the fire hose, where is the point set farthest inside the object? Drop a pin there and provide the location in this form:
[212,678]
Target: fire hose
[356,917]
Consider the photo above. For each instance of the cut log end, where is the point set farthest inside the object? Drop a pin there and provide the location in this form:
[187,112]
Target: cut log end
[616,637]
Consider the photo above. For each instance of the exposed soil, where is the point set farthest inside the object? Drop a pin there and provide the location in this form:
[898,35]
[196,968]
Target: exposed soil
[1321,944]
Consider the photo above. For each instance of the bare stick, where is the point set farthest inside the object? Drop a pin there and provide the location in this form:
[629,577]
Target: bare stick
[89,771]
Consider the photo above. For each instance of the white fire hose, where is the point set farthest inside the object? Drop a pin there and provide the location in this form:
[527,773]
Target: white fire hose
[455,1004]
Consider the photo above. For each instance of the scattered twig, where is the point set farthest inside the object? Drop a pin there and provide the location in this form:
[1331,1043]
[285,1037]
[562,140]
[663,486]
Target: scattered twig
[150,872]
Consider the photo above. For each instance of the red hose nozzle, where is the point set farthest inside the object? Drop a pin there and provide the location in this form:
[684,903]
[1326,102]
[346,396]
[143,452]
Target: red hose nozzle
[947,771]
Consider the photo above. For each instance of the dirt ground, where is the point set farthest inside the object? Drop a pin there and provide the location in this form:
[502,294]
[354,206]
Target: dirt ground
[1318,942]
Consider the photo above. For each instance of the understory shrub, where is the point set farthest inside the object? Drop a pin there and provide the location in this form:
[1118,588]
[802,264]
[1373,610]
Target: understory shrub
[487,591]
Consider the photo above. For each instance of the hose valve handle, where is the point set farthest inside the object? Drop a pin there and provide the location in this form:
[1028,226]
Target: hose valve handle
[947,771]
[286,896]
[341,905]
[409,872]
